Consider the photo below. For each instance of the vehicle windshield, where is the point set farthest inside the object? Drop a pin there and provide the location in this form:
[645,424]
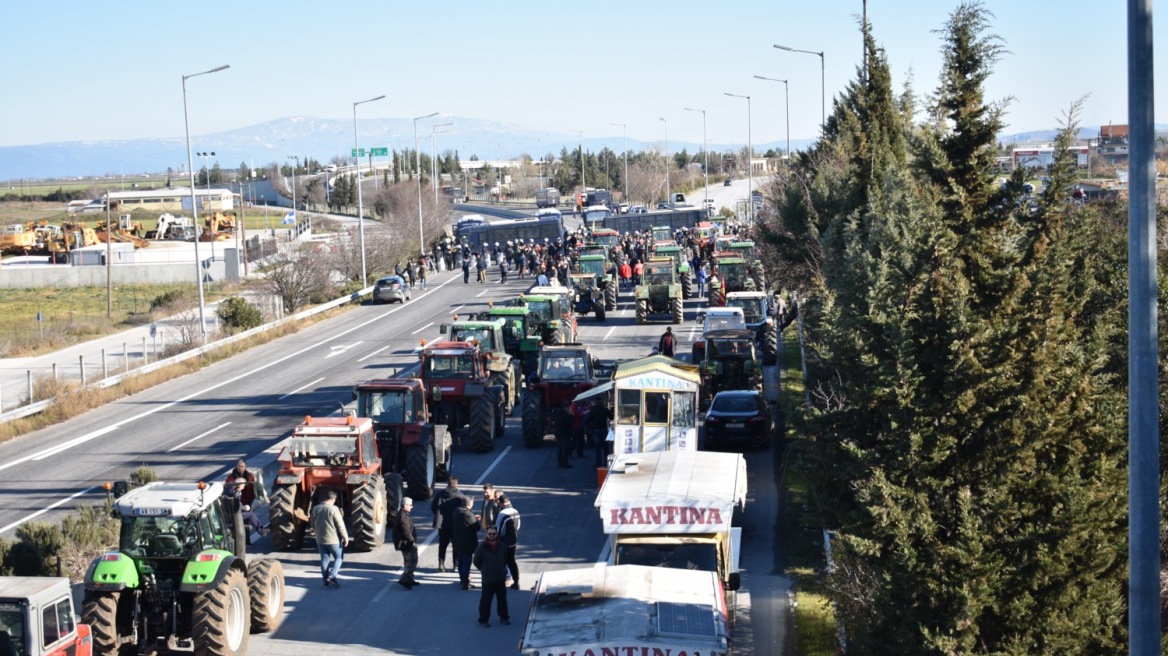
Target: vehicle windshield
[393,407]
[752,308]
[608,241]
[595,267]
[484,336]
[569,366]
[729,346]
[449,366]
[598,214]
[723,322]
[735,403]
[541,309]
[701,556]
[12,623]
[392,283]
[745,251]
[161,537]
[320,447]
[662,233]
[732,275]
[659,276]
[591,250]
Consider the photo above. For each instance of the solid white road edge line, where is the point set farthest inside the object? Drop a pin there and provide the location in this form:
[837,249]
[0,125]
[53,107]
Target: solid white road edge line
[299,388]
[422,328]
[226,423]
[5,529]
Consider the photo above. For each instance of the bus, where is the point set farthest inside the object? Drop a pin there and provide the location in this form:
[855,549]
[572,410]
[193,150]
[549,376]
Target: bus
[479,238]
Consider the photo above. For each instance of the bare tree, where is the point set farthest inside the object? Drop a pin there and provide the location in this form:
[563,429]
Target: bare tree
[646,181]
[396,206]
[383,247]
[295,274]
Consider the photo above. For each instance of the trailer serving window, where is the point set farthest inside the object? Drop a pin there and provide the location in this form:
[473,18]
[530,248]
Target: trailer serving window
[657,408]
[628,406]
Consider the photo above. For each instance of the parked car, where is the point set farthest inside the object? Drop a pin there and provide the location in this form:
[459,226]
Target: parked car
[662,205]
[622,208]
[727,183]
[638,209]
[390,289]
[739,417]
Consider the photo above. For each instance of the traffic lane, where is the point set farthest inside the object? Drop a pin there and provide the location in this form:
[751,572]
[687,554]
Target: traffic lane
[109,437]
[560,529]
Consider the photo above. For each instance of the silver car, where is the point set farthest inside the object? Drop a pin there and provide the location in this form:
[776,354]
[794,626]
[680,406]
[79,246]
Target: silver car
[390,289]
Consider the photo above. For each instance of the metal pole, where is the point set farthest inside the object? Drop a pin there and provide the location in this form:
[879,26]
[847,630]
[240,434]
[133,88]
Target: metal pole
[28,373]
[668,191]
[749,161]
[109,261]
[822,76]
[706,152]
[145,360]
[104,365]
[1143,445]
[194,201]
[583,187]
[787,110]
[81,366]
[360,202]
[418,169]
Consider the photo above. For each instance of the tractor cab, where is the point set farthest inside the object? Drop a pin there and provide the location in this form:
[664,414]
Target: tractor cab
[391,402]
[662,233]
[173,522]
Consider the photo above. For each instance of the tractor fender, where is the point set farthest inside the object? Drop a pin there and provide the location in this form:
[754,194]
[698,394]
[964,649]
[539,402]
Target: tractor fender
[207,569]
[441,438]
[288,479]
[111,571]
[359,479]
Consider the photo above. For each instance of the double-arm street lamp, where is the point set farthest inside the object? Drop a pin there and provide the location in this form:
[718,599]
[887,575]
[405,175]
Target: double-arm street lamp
[194,201]
[360,200]
[786,110]
[749,160]
[706,152]
[625,147]
[822,90]
[418,169]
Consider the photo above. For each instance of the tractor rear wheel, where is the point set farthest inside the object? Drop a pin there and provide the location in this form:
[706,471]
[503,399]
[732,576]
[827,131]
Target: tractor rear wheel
[770,344]
[556,338]
[642,310]
[265,585]
[686,286]
[393,493]
[533,421]
[717,297]
[221,618]
[100,611]
[501,380]
[610,296]
[420,471]
[675,310]
[481,425]
[501,411]
[287,529]
[367,515]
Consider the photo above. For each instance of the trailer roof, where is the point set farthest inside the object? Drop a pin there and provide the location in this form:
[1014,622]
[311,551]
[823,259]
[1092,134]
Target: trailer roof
[34,588]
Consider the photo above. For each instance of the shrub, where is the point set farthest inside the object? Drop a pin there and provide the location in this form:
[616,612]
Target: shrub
[237,313]
[143,475]
[168,299]
[36,551]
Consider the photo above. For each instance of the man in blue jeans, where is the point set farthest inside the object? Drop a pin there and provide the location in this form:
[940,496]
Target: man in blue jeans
[331,537]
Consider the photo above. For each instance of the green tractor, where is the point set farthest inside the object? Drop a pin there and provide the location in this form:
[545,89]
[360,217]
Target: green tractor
[730,362]
[488,335]
[660,293]
[180,578]
[553,314]
[733,275]
[680,264]
[749,252]
[594,285]
[521,334]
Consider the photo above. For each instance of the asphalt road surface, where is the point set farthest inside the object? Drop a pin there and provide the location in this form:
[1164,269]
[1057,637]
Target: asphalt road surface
[196,427]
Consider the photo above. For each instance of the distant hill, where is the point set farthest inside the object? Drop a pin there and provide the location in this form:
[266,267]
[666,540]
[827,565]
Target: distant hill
[323,139]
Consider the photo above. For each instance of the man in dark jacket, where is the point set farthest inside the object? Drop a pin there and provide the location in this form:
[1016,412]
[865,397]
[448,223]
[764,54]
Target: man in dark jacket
[491,560]
[405,540]
[562,425]
[443,506]
[508,524]
[465,539]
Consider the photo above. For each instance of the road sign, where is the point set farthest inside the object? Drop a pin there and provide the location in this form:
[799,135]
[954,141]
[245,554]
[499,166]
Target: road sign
[358,152]
[379,152]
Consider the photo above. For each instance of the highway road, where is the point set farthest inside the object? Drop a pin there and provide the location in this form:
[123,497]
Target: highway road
[195,427]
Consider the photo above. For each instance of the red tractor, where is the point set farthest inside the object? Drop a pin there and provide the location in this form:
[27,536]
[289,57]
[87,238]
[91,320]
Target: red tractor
[338,453]
[564,372]
[409,443]
[459,390]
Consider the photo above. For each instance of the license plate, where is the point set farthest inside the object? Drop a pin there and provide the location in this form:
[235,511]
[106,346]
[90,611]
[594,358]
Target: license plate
[735,425]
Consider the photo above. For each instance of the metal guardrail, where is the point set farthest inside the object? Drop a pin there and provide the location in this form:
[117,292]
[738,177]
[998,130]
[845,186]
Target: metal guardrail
[41,406]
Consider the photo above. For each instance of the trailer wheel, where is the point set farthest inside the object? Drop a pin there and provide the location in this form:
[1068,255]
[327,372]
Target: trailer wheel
[367,515]
[420,471]
[533,421]
[481,425]
[221,618]
[100,611]
[287,529]
[265,585]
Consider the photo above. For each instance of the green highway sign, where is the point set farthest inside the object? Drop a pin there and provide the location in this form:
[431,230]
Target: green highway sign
[358,152]
[379,152]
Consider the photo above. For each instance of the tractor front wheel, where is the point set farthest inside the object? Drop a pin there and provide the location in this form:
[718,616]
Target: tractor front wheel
[533,421]
[420,471]
[287,529]
[642,310]
[265,585]
[610,296]
[367,515]
[481,425]
[221,618]
[686,286]
[675,309]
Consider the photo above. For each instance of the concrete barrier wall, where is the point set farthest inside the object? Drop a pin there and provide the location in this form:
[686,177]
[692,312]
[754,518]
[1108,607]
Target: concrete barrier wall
[63,275]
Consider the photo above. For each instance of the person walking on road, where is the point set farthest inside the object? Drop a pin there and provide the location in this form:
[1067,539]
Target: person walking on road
[331,537]
[490,558]
[405,540]
[464,539]
[443,506]
[508,524]
[422,273]
[668,343]
[562,425]
[465,271]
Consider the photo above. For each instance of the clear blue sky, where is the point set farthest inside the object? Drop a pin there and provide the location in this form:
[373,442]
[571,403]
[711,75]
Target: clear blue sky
[79,70]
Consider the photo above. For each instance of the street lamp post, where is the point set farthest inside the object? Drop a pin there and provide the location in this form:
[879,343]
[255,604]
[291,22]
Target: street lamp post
[583,187]
[207,165]
[706,152]
[194,202]
[433,158]
[418,168]
[822,89]
[786,110]
[749,160]
[294,207]
[625,147]
[360,200]
[668,194]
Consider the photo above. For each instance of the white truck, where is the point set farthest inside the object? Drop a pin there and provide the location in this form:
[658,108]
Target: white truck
[675,509]
[626,610]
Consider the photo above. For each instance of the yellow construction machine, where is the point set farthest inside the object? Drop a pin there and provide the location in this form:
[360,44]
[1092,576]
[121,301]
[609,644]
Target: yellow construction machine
[218,227]
[126,231]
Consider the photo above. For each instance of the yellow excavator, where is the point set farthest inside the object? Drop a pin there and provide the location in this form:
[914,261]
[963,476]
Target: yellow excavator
[18,239]
[219,227]
[126,231]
